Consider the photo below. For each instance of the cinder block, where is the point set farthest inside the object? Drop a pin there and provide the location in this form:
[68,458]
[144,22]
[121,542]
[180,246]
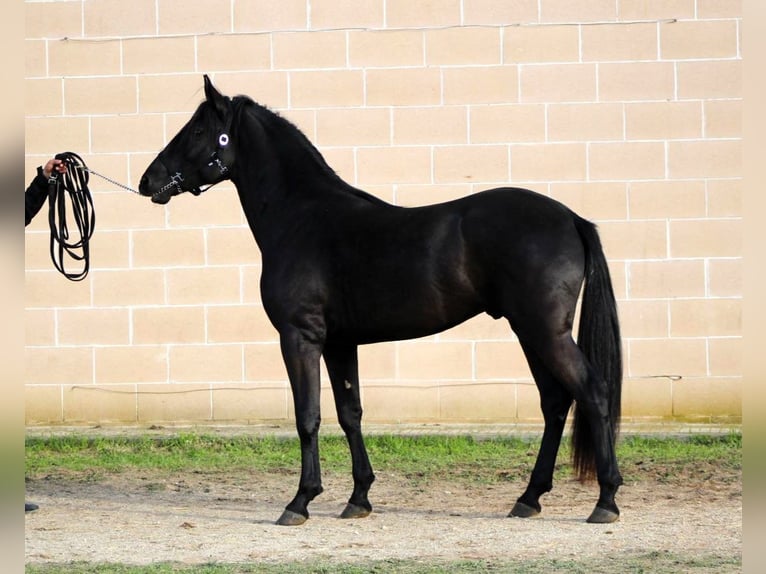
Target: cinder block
[706,238]
[430,125]
[723,119]
[636,81]
[169,93]
[538,44]
[203,286]
[463,46]
[168,247]
[347,14]
[400,403]
[201,17]
[353,127]
[647,397]
[458,164]
[634,239]
[481,85]
[176,403]
[724,197]
[232,246]
[394,165]
[52,20]
[236,53]
[131,364]
[42,404]
[472,401]
[205,363]
[140,55]
[269,16]
[725,356]
[558,83]
[620,42]
[548,162]
[93,326]
[128,287]
[302,50]
[168,325]
[706,317]
[698,40]
[666,357]
[403,87]
[667,279]
[667,199]
[238,324]
[493,12]
[43,97]
[35,57]
[58,366]
[250,403]
[335,88]
[708,158]
[39,327]
[102,404]
[656,9]
[51,135]
[593,200]
[663,120]
[587,11]
[386,48]
[708,397]
[725,277]
[710,79]
[644,319]
[130,133]
[433,14]
[116,18]
[507,123]
[500,360]
[585,122]
[626,161]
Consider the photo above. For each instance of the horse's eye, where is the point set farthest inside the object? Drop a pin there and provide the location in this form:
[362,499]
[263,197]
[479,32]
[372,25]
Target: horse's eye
[198,132]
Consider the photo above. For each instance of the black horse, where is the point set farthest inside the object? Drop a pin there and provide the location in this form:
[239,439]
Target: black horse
[342,268]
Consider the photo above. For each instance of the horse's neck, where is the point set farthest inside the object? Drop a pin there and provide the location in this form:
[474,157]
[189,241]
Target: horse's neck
[277,180]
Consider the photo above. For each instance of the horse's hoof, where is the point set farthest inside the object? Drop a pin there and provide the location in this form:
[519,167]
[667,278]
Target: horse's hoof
[602,516]
[521,510]
[290,518]
[354,511]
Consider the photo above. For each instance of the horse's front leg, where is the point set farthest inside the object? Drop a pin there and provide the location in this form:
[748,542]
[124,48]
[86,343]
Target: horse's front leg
[301,356]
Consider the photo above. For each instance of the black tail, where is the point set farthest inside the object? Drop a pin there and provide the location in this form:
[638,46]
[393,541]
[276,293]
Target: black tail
[599,339]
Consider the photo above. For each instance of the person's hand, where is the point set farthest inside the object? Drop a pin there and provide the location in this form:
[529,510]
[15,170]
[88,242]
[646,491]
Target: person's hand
[54,164]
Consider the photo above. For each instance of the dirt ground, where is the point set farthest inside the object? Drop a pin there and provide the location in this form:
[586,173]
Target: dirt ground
[198,518]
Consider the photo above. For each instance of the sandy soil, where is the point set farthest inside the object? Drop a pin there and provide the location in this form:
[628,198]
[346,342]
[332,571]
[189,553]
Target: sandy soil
[197,518]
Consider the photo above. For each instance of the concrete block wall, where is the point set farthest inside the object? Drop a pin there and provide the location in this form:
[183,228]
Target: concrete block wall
[628,111]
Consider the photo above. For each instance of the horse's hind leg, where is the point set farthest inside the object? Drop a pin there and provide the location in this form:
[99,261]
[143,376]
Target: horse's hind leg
[342,365]
[568,365]
[555,402]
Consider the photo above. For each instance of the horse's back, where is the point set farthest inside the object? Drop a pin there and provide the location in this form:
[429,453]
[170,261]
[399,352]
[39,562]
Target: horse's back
[447,262]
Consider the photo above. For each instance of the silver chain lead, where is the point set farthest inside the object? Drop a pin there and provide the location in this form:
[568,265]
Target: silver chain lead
[109,179]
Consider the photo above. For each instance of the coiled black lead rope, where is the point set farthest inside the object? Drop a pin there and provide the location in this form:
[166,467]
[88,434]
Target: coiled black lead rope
[72,185]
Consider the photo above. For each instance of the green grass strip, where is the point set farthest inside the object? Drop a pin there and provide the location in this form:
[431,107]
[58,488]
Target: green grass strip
[463,456]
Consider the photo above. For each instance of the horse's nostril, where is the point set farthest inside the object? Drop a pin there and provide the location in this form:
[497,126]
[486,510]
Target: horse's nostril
[143,183]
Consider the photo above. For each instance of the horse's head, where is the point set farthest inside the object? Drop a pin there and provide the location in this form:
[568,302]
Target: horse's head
[199,155]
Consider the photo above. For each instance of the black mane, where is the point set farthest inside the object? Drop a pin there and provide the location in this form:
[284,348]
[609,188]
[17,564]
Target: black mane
[289,133]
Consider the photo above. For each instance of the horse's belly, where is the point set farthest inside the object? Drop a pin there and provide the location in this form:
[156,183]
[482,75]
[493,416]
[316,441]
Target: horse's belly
[407,316]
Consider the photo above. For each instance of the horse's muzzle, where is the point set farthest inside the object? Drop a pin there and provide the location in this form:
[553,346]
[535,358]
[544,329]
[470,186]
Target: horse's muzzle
[162,195]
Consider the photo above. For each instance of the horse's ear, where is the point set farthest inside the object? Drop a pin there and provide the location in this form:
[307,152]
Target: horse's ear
[215,97]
